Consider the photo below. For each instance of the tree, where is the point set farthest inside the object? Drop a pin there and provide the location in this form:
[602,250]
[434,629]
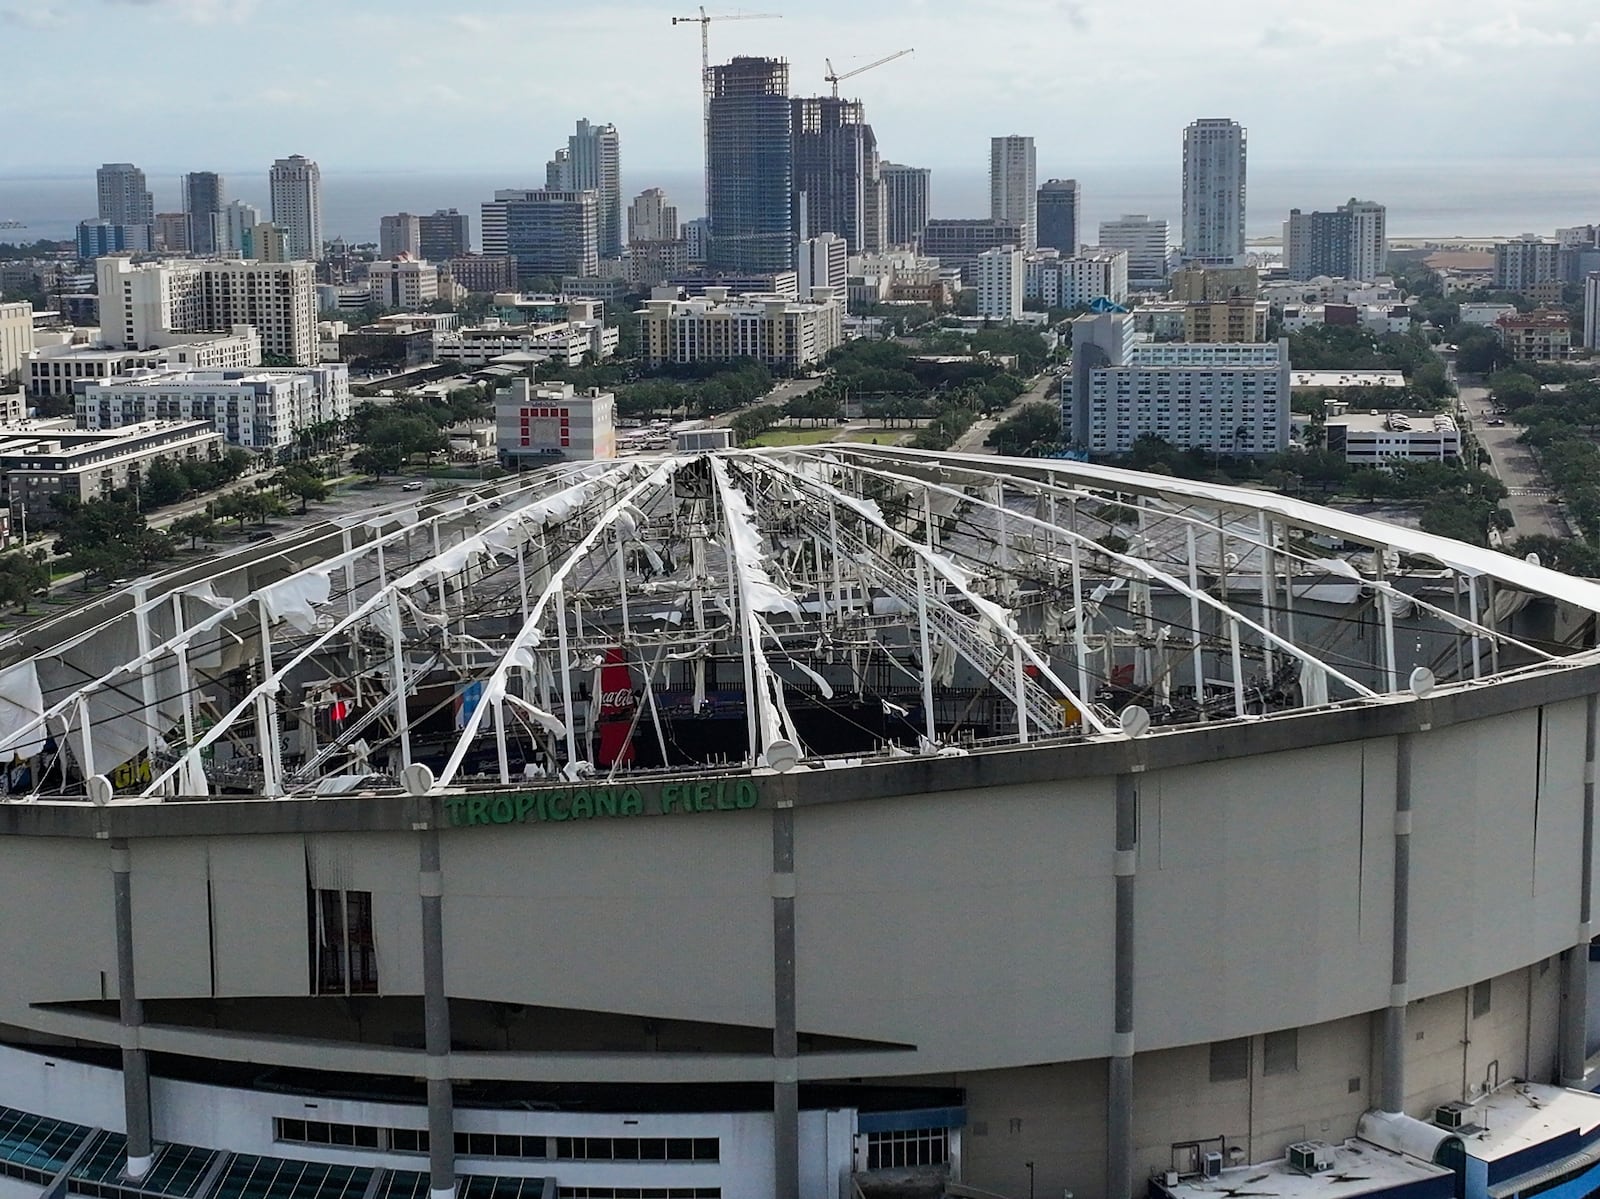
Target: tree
[197,526]
[378,460]
[163,484]
[23,576]
[306,486]
[108,538]
[1026,432]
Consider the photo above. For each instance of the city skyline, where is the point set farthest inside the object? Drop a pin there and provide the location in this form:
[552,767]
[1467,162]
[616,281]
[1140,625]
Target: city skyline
[1455,47]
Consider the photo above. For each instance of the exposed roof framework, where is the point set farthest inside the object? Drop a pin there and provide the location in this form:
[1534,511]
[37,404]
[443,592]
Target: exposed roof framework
[765,609]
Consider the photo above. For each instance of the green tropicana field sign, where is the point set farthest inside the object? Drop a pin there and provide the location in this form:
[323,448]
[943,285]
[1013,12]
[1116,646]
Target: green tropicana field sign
[557,805]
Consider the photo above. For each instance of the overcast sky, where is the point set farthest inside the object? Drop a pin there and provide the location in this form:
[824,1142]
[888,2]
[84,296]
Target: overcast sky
[471,85]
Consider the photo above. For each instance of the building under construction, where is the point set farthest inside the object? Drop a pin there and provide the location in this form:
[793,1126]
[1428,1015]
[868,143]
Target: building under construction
[749,167]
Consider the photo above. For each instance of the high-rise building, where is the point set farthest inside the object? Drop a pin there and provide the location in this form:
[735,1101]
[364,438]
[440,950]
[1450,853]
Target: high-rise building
[1093,274]
[651,218]
[124,197]
[822,261]
[592,162]
[296,185]
[999,274]
[230,228]
[141,305]
[549,233]
[170,233]
[268,242]
[749,167]
[202,199]
[400,234]
[443,235]
[958,242]
[16,342]
[1059,203]
[98,238]
[697,239]
[1524,262]
[1214,191]
[906,191]
[1591,311]
[403,283]
[1348,243]
[1013,182]
[836,172]
[1147,242]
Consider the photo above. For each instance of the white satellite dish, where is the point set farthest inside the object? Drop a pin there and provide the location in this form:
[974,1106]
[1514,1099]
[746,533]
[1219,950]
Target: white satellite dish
[99,789]
[417,778]
[1135,721]
[1422,682]
[782,755]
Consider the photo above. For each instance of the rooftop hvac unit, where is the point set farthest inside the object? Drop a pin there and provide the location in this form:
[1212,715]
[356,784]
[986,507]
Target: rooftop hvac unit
[1452,1115]
[1311,1157]
[1211,1165]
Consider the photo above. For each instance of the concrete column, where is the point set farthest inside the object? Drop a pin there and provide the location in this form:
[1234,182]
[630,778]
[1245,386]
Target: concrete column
[1575,963]
[1119,1082]
[785,1040]
[130,1012]
[436,1025]
[1392,1097]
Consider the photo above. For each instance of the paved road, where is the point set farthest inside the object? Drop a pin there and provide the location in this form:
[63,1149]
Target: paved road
[1532,505]
[971,442]
[784,390]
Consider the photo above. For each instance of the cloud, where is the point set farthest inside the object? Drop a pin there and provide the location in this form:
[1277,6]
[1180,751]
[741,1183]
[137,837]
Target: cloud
[201,12]
[40,14]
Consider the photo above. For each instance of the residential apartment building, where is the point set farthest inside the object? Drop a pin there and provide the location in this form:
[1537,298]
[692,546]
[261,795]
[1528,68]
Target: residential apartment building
[1214,188]
[549,233]
[400,234]
[651,217]
[592,161]
[957,243]
[202,201]
[1059,203]
[1591,311]
[442,235]
[124,198]
[484,273]
[1524,262]
[268,242]
[1542,335]
[822,261]
[540,423]
[1148,245]
[651,263]
[1229,321]
[999,277]
[295,184]
[56,367]
[1013,186]
[905,200]
[750,167]
[782,334]
[1351,242]
[256,409]
[1194,283]
[16,342]
[1230,399]
[96,239]
[36,465]
[230,227]
[403,283]
[143,305]
[837,180]
[697,237]
[1068,282]
[170,233]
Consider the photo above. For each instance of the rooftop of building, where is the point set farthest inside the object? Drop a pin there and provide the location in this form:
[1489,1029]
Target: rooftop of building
[1550,319]
[1523,1115]
[1358,1168]
[30,438]
[1351,378]
[1367,421]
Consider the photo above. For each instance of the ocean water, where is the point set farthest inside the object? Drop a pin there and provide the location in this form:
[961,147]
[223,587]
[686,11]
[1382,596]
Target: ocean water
[1441,198]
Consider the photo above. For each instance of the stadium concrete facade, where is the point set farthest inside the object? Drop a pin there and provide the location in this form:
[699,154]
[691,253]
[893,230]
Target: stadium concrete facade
[815,822]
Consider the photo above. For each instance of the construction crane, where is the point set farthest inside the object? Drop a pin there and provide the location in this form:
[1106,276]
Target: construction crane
[704,21]
[834,77]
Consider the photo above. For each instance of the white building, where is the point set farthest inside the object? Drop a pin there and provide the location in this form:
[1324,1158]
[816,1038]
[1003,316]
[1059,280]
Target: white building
[230,228]
[57,366]
[142,305]
[1374,440]
[651,217]
[1231,399]
[1484,314]
[822,261]
[1381,319]
[1147,243]
[1591,311]
[296,185]
[1013,185]
[16,341]
[537,424]
[258,409]
[1093,274]
[403,283]
[781,333]
[1000,280]
[1214,191]
[566,342]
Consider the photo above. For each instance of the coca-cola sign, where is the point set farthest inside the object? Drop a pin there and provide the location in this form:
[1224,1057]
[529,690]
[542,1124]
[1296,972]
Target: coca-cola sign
[612,702]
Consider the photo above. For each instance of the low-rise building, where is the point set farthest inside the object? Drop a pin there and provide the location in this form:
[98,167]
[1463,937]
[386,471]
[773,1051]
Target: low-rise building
[1542,335]
[484,274]
[1231,399]
[772,283]
[259,409]
[1069,282]
[403,282]
[564,342]
[385,348]
[781,333]
[36,464]
[958,243]
[1485,314]
[608,289]
[1367,439]
[540,423]
[652,263]
[56,366]
[1380,319]
[1232,320]
[1192,284]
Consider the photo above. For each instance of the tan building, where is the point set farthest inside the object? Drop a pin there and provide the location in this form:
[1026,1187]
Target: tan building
[403,283]
[1192,284]
[16,342]
[779,333]
[1226,321]
[1538,336]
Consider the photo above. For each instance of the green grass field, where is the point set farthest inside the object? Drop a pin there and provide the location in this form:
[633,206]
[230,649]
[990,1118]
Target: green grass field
[817,436]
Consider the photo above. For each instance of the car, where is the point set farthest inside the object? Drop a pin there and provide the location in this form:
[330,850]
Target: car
[262,535]
[1496,422]
[414,485]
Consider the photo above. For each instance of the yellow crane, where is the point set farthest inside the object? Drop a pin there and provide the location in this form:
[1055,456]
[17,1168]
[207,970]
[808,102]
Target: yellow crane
[834,77]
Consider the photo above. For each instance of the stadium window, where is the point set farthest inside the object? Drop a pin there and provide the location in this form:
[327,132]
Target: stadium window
[344,954]
[1230,1060]
[1280,1052]
[1482,998]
